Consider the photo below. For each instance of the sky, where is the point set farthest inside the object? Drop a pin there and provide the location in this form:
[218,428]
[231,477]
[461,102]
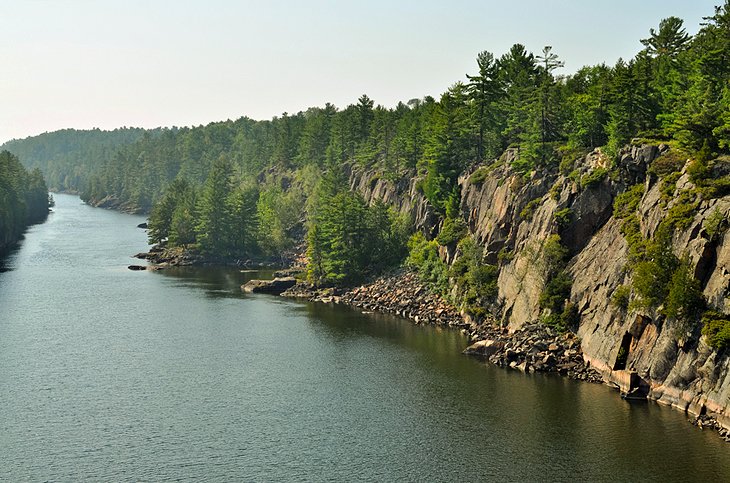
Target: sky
[96,63]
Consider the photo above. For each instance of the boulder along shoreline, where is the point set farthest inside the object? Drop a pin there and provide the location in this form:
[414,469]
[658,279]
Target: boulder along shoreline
[532,348]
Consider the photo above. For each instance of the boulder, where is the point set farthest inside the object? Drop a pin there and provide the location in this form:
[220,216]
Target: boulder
[274,287]
[484,348]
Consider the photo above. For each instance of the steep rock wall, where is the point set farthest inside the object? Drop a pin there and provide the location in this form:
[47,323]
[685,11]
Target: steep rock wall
[512,217]
[678,369]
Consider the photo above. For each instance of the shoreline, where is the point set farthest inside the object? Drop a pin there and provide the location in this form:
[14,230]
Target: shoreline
[161,257]
[532,348]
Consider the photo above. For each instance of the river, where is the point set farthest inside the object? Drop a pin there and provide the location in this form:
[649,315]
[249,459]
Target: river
[112,375]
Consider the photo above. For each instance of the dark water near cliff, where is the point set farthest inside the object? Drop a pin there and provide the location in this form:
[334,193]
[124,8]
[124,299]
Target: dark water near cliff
[108,374]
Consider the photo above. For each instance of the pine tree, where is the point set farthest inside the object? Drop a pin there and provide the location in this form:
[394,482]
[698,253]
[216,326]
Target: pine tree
[518,73]
[213,214]
[548,124]
[484,90]
[670,40]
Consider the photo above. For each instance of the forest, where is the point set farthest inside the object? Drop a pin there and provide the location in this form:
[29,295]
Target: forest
[24,199]
[67,157]
[247,188]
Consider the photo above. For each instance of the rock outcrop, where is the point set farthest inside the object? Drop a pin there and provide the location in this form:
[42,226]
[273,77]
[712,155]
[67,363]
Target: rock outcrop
[512,216]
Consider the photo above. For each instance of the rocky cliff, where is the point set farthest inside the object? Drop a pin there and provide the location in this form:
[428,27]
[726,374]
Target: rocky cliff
[514,216]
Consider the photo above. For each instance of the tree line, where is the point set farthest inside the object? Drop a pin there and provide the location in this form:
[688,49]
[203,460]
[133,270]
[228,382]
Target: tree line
[68,157]
[23,198]
[245,187]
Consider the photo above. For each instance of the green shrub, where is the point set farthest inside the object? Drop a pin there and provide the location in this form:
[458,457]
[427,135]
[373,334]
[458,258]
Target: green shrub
[708,185]
[669,186]
[653,274]
[716,327]
[563,217]
[529,209]
[593,178]
[566,166]
[556,291]
[681,214]
[684,298]
[668,163]
[698,171]
[423,256]
[454,229]
[555,190]
[478,176]
[574,176]
[505,255]
[419,186]
[631,231]
[570,316]
[554,255]
[620,297]
[477,281]
[627,202]
[715,225]
[570,153]
[716,188]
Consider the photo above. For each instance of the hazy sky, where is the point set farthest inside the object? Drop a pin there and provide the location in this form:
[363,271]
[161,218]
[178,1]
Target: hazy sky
[86,63]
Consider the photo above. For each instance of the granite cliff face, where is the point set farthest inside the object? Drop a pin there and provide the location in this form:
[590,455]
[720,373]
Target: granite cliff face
[513,217]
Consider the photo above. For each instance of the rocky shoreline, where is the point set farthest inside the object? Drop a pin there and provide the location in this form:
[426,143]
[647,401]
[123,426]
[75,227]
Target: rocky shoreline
[533,348]
[162,257]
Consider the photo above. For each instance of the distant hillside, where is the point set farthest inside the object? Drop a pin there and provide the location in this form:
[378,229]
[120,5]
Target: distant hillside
[67,157]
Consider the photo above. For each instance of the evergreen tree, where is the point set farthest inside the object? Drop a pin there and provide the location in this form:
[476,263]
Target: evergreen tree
[213,212]
[518,73]
[447,150]
[484,90]
[183,222]
[670,40]
[548,123]
[243,220]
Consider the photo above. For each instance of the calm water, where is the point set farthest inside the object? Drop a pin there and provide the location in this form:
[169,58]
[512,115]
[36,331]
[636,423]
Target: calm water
[111,375]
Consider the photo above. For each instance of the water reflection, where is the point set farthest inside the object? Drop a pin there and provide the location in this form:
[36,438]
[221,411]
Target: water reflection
[342,322]
[109,374]
[215,282]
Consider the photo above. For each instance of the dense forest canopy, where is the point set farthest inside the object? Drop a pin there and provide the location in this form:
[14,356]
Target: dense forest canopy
[68,157]
[23,198]
[244,188]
